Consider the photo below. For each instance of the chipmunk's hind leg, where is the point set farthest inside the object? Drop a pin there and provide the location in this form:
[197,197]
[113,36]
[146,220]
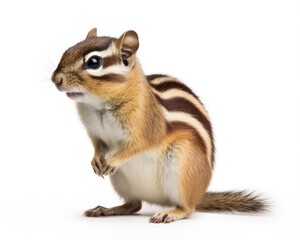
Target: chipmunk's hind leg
[125,209]
[170,215]
[192,170]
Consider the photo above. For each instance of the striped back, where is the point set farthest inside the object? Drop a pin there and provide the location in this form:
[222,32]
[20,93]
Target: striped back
[182,109]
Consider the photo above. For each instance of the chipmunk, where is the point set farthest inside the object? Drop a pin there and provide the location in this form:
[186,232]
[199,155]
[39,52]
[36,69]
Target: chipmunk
[151,134]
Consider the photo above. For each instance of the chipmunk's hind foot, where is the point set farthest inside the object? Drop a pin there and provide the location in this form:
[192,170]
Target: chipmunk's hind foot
[170,216]
[125,209]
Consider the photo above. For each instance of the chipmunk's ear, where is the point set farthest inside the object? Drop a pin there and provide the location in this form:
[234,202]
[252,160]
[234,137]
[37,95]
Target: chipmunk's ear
[128,44]
[92,33]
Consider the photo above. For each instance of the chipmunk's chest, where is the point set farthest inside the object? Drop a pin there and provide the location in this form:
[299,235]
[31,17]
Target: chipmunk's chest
[105,125]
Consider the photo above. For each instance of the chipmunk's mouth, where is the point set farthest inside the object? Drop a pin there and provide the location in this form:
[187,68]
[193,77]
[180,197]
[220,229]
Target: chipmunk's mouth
[74,95]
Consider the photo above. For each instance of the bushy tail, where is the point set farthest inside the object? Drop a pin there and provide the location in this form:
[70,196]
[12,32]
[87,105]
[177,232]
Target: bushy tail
[242,202]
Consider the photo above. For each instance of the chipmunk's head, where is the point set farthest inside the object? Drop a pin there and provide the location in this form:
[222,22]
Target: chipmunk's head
[98,67]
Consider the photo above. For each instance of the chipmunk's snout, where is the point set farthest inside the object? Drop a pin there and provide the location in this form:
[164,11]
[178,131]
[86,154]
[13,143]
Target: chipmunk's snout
[58,79]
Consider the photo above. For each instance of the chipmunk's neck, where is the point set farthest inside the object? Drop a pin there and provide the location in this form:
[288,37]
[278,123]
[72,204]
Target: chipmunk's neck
[140,109]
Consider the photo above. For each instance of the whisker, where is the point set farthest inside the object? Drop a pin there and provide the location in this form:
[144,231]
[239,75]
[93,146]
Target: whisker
[45,67]
[42,82]
[50,61]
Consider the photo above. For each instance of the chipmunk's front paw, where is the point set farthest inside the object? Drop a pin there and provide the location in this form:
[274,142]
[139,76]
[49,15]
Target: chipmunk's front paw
[108,169]
[103,166]
[97,164]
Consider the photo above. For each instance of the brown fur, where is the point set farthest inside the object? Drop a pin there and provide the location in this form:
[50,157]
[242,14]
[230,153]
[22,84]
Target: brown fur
[232,202]
[139,110]
[125,209]
[181,126]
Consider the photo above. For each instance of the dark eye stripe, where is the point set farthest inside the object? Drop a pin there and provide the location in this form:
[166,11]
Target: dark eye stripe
[109,61]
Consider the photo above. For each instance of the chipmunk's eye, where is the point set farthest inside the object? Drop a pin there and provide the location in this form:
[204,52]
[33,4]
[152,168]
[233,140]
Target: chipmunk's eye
[94,62]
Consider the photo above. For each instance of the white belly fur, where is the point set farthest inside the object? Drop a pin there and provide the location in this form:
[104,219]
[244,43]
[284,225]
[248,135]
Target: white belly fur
[148,177]
[104,126]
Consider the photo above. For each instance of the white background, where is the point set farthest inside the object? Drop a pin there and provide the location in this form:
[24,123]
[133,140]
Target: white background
[241,57]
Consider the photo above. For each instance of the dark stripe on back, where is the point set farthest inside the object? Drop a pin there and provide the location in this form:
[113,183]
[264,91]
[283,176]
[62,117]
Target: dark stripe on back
[177,125]
[182,105]
[111,78]
[154,76]
[165,86]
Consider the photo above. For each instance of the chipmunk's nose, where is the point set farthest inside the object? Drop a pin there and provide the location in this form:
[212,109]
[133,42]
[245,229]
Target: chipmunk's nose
[58,79]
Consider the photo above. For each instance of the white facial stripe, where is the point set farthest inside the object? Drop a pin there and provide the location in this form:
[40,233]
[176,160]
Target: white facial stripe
[180,93]
[114,69]
[187,118]
[101,54]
